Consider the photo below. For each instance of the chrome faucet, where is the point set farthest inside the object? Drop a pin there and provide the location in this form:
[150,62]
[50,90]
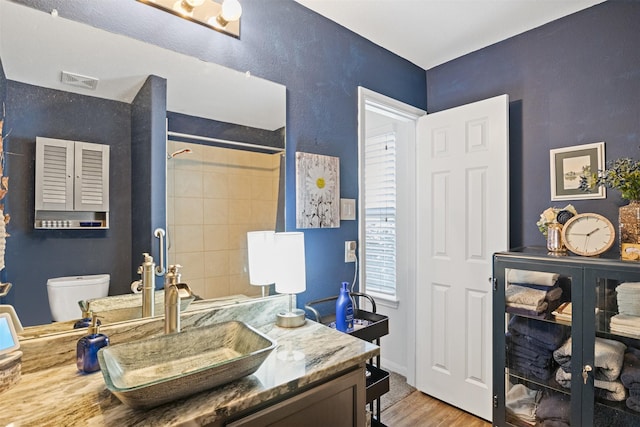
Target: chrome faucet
[174,291]
[146,271]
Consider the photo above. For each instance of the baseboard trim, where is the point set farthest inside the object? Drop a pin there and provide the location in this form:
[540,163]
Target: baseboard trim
[388,365]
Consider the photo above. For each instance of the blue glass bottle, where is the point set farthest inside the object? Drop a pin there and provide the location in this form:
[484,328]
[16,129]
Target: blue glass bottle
[88,346]
[344,310]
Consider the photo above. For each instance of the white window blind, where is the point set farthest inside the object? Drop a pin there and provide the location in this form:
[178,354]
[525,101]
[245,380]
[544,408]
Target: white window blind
[380,213]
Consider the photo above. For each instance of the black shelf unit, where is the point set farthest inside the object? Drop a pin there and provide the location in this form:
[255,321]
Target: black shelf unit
[589,284]
[377,327]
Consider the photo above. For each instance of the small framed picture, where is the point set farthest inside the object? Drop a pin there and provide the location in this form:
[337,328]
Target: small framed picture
[571,165]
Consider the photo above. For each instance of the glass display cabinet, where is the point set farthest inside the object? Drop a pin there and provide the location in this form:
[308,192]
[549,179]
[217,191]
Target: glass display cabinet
[566,340]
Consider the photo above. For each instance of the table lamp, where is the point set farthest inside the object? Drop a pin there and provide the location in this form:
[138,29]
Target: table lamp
[260,248]
[290,275]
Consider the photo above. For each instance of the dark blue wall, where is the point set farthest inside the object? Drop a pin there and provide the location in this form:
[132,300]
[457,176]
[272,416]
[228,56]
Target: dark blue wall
[148,171]
[573,81]
[33,256]
[321,64]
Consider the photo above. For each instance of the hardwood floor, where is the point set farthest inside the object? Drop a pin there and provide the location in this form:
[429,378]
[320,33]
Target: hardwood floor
[420,410]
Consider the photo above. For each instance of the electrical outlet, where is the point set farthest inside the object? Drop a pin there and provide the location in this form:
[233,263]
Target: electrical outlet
[350,251]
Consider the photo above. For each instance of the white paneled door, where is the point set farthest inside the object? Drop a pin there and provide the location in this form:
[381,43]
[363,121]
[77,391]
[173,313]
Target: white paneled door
[462,191]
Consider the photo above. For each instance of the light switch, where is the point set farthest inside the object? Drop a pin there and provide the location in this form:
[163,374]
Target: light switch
[347,209]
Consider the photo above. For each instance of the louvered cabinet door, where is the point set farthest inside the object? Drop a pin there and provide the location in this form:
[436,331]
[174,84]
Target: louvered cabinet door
[54,174]
[91,177]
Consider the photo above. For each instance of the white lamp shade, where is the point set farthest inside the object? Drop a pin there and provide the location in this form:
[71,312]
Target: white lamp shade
[291,274]
[261,253]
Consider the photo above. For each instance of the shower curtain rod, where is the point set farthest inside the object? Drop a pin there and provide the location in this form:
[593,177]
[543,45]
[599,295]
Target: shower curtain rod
[223,141]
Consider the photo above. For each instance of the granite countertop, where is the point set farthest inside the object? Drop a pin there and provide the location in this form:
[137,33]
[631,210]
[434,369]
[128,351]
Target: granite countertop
[303,356]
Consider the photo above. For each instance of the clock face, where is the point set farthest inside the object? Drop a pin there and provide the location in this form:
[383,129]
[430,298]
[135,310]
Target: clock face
[588,234]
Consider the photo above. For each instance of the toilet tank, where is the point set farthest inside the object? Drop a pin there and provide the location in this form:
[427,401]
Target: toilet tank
[65,292]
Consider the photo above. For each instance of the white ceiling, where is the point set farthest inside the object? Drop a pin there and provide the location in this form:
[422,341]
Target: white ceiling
[432,32]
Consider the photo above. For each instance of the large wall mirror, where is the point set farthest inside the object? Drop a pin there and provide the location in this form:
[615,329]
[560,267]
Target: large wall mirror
[67,80]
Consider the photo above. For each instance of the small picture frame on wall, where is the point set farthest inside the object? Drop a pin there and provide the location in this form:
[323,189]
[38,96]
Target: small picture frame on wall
[569,165]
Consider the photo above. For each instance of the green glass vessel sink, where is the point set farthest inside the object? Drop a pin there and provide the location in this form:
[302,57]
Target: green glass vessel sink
[153,371]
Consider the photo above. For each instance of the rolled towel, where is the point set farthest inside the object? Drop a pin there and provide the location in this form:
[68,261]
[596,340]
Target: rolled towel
[609,356]
[522,295]
[533,277]
[609,390]
[630,375]
[633,403]
[553,294]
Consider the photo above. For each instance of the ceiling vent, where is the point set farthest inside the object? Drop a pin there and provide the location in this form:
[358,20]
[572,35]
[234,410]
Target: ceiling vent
[73,79]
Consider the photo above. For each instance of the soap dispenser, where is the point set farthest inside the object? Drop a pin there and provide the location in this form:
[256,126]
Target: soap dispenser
[88,346]
[344,310]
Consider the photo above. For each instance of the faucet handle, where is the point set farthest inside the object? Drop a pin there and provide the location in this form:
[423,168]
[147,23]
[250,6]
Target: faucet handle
[173,275]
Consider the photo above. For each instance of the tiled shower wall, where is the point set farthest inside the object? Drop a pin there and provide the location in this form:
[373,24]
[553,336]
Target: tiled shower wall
[214,197]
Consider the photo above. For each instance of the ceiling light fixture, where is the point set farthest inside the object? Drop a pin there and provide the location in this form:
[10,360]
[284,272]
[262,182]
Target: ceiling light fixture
[223,17]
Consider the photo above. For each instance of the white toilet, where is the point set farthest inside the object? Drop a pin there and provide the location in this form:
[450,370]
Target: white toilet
[65,292]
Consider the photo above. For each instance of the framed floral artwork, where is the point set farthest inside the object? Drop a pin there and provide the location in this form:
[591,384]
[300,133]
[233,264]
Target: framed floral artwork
[572,165]
[317,191]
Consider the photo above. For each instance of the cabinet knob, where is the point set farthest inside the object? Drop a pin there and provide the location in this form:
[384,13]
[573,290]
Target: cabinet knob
[585,372]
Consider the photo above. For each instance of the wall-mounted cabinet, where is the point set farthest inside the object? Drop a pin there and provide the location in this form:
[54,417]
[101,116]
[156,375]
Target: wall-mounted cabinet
[72,184]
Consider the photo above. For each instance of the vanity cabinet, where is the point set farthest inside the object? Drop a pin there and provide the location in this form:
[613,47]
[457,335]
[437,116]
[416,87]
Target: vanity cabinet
[337,403]
[572,358]
[72,184]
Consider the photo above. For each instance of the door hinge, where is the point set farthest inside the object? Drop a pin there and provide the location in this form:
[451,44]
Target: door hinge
[495,400]
[495,283]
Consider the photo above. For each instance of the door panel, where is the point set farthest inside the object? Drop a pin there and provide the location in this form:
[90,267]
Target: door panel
[462,199]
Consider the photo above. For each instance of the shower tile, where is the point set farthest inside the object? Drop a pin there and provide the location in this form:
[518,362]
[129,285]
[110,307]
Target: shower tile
[216,238]
[216,263]
[189,211]
[216,211]
[188,183]
[215,185]
[188,238]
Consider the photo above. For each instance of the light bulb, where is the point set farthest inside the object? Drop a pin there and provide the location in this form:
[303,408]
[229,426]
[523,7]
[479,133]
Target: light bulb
[194,3]
[231,10]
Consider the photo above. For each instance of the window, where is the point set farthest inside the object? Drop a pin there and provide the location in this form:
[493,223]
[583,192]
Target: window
[379,182]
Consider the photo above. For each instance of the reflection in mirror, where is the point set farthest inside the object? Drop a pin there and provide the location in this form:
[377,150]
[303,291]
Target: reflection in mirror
[215,196]
[209,209]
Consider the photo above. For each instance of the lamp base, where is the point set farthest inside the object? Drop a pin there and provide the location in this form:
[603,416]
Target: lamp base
[290,319]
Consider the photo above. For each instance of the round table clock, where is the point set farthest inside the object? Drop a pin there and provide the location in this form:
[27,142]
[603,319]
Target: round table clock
[588,234]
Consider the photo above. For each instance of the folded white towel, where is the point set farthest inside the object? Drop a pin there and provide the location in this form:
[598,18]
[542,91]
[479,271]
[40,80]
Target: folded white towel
[523,295]
[532,277]
[626,330]
[626,320]
[628,287]
[537,308]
